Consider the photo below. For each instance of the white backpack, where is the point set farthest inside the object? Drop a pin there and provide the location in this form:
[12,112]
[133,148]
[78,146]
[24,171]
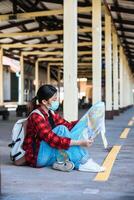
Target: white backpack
[17,154]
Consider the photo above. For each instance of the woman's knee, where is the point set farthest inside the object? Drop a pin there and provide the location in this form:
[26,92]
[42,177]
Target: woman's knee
[61,127]
[61,130]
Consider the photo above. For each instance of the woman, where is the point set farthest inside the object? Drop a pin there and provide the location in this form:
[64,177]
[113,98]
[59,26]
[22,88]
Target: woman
[51,138]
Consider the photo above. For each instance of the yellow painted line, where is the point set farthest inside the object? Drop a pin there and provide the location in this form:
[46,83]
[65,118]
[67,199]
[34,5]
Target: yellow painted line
[124,134]
[108,164]
[130,123]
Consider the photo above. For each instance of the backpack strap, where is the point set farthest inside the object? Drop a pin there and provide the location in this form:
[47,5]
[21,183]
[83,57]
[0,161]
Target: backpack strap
[38,112]
[50,118]
[51,121]
[34,138]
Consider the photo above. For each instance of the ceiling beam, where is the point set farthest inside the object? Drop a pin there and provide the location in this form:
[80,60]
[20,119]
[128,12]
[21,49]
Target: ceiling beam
[44,22]
[40,34]
[28,15]
[125,22]
[61,59]
[49,59]
[122,9]
[126,36]
[53,1]
[61,2]
[19,23]
[51,45]
[131,47]
[61,64]
[125,29]
[59,53]
[130,43]
[33,34]
[22,41]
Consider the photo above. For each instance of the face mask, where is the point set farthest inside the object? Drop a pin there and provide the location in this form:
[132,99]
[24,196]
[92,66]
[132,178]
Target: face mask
[54,105]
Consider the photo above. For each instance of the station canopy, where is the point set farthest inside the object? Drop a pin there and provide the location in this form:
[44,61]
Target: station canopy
[35,24]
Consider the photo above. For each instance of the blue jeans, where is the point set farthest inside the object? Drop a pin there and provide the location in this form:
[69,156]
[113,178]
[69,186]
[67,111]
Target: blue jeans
[82,130]
[48,155]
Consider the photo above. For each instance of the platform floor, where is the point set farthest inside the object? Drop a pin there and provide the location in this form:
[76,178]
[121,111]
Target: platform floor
[25,183]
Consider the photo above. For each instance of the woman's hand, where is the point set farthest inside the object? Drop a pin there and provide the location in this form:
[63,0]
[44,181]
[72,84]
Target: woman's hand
[83,143]
[86,143]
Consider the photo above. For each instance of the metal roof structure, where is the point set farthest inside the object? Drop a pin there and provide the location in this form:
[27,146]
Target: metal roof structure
[122,12]
[47,30]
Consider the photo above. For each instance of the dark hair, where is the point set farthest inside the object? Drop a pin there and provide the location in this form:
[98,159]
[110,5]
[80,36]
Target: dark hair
[44,92]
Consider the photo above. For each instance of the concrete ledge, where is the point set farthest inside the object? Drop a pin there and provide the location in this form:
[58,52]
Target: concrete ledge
[0,174]
[4,112]
[125,108]
[121,110]
[0,182]
[20,110]
[109,114]
[116,112]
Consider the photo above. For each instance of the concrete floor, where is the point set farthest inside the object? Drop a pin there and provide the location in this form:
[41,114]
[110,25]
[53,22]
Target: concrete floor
[25,183]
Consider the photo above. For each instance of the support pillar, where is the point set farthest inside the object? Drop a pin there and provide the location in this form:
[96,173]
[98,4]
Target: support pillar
[115,74]
[70,60]
[19,89]
[121,83]
[129,85]
[125,81]
[36,76]
[1,77]
[21,93]
[22,108]
[108,67]
[131,88]
[48,74]
[96,55]
[59,81]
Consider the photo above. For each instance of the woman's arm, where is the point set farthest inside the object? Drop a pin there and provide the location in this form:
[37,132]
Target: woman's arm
[84,143]
[61,121]
[45,133]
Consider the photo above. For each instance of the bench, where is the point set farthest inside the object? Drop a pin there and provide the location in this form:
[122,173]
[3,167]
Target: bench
[0,181]
[20,110]
[4,112]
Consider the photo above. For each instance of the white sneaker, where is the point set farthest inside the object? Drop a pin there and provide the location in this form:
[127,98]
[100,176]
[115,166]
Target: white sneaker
[91,166]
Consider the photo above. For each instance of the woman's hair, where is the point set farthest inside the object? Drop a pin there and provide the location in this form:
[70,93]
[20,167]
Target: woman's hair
[44,92]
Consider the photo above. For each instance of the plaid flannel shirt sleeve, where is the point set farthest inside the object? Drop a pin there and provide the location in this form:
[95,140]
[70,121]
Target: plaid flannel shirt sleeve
[61,121]
[45,132]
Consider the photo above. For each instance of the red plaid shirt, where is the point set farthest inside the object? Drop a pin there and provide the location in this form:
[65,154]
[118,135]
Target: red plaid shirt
[38,129]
